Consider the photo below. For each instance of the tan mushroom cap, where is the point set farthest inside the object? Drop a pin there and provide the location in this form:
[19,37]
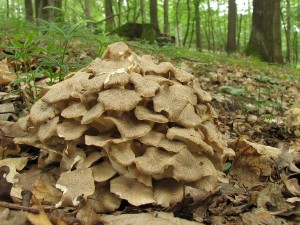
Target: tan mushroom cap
[74,184]
[129,127]
[75,109]
[146,88]
[186,167]
[103,201]
[122,153]
[192,138]
[203,111]
[91,158]
[42,111]
[202,95]
[60,91]
[71,156]
[188,118]
[141,177]
[133,191]
[102,140]
[160,80]
[103,171]
[119,99]
[143,113]
[168,192]
[94,84]
[24,122]
[117,78]
[95,112]
[168,100]
[116,51]
[157,139]
[70,130]
[48,129]
[154,161]
[28,139]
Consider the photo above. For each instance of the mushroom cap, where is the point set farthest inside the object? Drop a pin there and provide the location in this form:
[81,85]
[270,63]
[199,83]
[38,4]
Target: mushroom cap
[168,192]
[74,184]
[75,109]
[70,130]
[103,171]
[122,153]
[117,78]
[119,99]
[48,129]
[133,191]
[116,51]
[154,161]
[192,138]
[188,118]
[143,113]
[103,201]
[102,140]
[129,127]
[146,88]
[95,112]
[42,111]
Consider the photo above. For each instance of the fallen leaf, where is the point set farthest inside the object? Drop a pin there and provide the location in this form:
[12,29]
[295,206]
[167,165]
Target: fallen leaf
[154,218]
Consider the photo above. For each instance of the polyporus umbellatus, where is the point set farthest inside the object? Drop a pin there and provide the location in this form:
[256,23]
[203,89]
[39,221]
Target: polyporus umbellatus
[142,130]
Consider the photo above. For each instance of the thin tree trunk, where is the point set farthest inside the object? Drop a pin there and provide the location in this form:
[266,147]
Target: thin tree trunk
[120,3]
[211,26]
[239,29]
[109,23]
[177,23]
[198,27]
[288,31]
[142,6]
[231,31]
[56,15]
[166,17]
[7,9]
[192,33]
[188,22]
[153,13]
[28,10]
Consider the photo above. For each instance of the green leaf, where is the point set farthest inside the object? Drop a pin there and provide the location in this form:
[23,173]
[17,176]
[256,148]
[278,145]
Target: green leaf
[232,90]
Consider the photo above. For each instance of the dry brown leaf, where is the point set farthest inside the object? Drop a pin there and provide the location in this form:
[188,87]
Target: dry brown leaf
[252,161]
[154,218]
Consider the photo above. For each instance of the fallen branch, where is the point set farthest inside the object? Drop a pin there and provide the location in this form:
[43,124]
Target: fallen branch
[18,207]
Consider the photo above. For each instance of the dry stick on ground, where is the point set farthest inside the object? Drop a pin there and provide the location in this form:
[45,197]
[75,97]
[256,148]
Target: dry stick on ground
[18,207]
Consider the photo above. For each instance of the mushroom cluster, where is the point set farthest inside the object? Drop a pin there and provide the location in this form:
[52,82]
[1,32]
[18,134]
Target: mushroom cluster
[126,128]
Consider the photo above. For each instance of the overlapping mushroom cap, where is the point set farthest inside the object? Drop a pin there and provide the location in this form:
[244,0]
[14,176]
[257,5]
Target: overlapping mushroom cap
[131,128]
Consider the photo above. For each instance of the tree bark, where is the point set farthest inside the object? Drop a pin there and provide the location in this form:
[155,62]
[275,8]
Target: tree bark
[109,22]
[28,10]
[40,12]
[166,17]
[231,31]
[143,15]
[7,9]
[198,27]
[188,22]
[177,23]
[288,31]
[153,12]
[265,38]
[56,15]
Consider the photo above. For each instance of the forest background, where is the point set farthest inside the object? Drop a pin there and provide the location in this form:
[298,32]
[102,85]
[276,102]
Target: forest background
[216,26]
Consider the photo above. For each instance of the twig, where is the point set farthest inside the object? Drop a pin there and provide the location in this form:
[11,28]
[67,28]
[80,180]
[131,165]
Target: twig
[18,207]
[191,60]
[114,15]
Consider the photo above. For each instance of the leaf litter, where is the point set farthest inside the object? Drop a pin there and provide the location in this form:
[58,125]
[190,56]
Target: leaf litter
[262,179]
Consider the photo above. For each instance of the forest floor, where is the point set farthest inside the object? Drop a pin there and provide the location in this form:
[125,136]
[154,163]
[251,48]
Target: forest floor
[251,99]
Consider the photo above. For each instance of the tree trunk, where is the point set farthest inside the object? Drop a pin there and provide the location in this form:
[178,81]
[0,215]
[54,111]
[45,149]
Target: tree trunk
[153,12]
[166,17]
[188,22]
[28,10]
[109,22]
[120,3]
[231,31]
[198,28]
[177,23]
[265,38]
[142,6]
[7,9]
[40,12]
[56,15]
[239,29]
[288,31]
